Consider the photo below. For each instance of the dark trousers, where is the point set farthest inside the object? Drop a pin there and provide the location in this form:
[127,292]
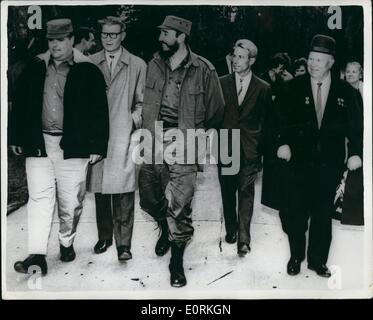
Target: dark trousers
[244,183]
[115,214]
[178,182]
[310,197]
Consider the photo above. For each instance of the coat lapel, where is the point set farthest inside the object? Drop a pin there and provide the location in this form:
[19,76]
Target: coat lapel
[232,89]
[100,60]
[246,106]
[329,102]
[123,62]
[310,102]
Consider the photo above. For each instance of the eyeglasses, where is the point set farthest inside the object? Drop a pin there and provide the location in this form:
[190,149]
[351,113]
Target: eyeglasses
[112,35]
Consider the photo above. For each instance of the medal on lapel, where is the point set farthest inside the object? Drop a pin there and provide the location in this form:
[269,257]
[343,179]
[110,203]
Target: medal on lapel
[340,102]
[307,100]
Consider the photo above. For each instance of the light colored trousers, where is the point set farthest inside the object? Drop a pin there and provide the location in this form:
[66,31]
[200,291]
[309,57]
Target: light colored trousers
[53,181]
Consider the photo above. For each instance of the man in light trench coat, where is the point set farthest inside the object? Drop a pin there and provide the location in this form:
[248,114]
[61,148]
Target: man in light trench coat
[113,179]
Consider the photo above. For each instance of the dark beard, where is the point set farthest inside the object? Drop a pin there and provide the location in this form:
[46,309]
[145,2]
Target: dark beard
[165,54]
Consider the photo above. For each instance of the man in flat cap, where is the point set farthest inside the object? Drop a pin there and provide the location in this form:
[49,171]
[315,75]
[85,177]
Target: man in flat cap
[320,112]
[113,179]
[182,92]
[59,122]
[247,100]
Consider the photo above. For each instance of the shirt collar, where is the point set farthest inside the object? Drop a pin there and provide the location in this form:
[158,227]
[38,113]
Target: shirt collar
[184,63]
[245,79]
[116,54]
[69,60]
[192,58]
[325,81]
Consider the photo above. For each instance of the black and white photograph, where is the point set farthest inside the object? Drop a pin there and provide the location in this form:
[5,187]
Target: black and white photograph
[186,150]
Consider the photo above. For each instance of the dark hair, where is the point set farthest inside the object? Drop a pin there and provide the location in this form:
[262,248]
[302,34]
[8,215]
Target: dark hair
[300,62]
[186,37]
[280,58]
[82,33]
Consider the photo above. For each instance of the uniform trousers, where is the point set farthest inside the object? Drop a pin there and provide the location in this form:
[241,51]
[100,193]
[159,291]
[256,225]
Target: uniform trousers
[174,205]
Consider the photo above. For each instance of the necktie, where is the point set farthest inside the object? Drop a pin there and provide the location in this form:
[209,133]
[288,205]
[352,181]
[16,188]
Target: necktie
[111,64]
[318,105]
[240,92]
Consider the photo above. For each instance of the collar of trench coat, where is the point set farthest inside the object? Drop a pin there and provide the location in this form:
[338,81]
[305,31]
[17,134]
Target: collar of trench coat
[100,58]
[124,57]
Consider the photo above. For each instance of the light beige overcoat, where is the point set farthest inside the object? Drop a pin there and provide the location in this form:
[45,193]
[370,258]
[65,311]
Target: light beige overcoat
[125,92]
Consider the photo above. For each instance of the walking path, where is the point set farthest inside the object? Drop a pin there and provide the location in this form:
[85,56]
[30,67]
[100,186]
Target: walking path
[212,271]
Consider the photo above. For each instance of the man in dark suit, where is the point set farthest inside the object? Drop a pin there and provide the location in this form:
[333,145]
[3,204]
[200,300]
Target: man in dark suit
[320,112]
[246,100]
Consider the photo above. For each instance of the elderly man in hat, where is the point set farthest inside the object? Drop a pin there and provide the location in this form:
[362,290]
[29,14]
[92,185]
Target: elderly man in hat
[247,100]
[183,92]
[59,122]
[113,179]
[320,112]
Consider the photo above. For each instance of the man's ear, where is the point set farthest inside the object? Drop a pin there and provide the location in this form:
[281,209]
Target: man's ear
[123,35]
[181,38]
[331,61]
[252,61]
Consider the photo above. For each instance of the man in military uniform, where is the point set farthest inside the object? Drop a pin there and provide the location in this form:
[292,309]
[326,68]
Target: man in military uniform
[183,91]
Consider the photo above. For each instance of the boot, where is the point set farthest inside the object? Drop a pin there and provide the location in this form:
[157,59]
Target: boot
[32,260]
[67,253]
[163,244]
[176,266]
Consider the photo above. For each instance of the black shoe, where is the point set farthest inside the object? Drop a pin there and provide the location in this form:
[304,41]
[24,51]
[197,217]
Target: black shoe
[124,253]
[176,268]
[163,244]
[243,249]
[32,260]
[322,270]
[102,245]
[231,237]
[293,267]
[67,253]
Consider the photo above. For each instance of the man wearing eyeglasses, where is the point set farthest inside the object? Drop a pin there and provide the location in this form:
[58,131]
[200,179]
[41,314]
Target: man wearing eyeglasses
[247,99]
[113,179]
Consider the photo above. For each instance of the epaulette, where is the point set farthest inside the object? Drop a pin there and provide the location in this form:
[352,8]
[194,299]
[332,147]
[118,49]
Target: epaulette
[208,63]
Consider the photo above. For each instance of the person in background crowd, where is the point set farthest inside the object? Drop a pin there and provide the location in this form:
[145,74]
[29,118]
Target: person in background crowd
[277,72]
[300,67]
[354,75]
[353,195]
[285,74]
[247,100]
[113,180]
[183,91]
[319,113]
[84,40]
[273,186]
[59,121]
